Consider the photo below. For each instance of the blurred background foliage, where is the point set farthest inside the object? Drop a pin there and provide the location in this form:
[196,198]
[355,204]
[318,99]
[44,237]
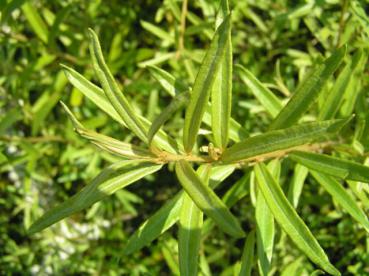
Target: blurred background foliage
[42,160]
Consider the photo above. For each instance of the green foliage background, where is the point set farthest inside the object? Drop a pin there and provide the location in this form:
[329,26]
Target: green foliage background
[43,162]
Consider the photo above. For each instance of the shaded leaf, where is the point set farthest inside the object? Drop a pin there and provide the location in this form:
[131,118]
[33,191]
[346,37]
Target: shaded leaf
[342,197]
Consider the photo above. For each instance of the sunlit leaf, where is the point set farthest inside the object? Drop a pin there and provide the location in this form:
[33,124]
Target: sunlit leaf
[207,200]
[282,140]
[112,90]
[332,166]
[308,91]
[289,220]
[111,179]
[203,84]
[190,224]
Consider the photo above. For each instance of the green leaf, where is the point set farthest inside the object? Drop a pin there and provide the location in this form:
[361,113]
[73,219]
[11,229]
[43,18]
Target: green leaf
[169,214]
[332,166]
[308,91]
[335,97]
[282,140]
[111,179]
[112,91]
[360,15]
[178,102]
[207,200]
[203,84]
[265,225]
[266,97]
[156,225]
[248,255]
[173,87]
[97,96]
[109,144]
[221,92]
[289,220]
[35,20]
[190,224]
[163,35]
[167,81]
[299,175]
[342,197]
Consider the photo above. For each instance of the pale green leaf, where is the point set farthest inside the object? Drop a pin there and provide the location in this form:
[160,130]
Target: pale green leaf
[112,91]
[207,200]
[299,175]
[97,96]
[190,224]
[35,20]
[221,92]
[289,220]
[265,225]
[111,179]
[266,97]
[332,166]
[203,84]
[282,140]
[342,197]
[360,15]
[109,144]
[160,33]
[308,91]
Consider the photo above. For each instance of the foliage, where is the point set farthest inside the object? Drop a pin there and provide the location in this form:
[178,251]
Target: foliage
[280,153]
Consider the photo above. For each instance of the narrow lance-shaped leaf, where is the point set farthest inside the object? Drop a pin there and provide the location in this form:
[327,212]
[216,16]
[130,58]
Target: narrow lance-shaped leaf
[265,225]
[299,175]
[167,81]
[238,191]
[112,91]
[332,166]
[266,97]
[207,200]
[97,96]
[290,221]
[107,143]
[173,87]
[221,92]
[308,91]
[169,214]
[248,255]
[282,140]
[335,97]
[342,197]
[203,84]
[111,179]
[190,224]
[178,102]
